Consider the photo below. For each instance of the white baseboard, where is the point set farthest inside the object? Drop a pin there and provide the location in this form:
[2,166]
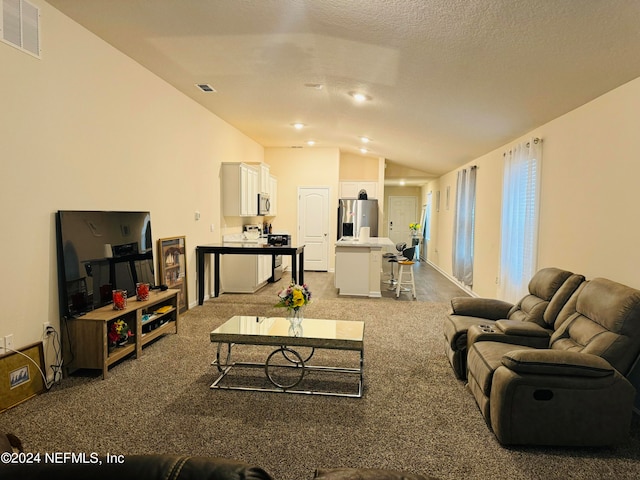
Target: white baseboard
[453,280]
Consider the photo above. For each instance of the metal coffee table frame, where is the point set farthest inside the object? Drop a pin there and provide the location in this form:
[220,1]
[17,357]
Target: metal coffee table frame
[286,343]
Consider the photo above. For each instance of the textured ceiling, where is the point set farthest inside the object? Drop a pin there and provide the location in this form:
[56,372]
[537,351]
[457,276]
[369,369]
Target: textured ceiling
[449,80]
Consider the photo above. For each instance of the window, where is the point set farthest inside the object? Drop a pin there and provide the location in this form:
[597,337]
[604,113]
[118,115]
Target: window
[20,25]
[520,211]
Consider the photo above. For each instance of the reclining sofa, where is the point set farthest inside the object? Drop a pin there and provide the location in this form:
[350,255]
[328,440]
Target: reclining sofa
[566,388]
[549,290]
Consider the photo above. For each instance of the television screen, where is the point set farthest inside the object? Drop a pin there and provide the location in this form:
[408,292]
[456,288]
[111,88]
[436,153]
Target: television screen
[99,251]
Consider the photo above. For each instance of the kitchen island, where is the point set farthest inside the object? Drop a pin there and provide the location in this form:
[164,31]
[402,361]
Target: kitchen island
[359,264]
[296,253]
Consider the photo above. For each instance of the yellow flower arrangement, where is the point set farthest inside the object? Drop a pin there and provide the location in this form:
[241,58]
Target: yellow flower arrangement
[414,226]
[294,297]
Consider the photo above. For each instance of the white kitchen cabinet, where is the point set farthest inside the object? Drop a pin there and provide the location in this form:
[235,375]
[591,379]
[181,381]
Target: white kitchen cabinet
[264,268]
[273,191]
[239,184]
[358,266]
[264,184]
[251,201]
[244,273]
[351,189]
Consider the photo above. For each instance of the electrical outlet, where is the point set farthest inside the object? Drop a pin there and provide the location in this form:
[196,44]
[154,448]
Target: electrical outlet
[8,343]
[45,325]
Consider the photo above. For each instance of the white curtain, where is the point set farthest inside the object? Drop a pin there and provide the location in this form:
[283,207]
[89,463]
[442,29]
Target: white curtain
[427,217]
[463,226]
[520,211]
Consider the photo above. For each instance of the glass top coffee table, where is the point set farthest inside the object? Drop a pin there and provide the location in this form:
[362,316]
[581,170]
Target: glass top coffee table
[291,355]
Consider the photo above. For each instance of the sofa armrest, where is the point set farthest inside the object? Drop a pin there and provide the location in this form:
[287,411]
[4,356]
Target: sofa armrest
[489,308]
[557,362]
[518,327]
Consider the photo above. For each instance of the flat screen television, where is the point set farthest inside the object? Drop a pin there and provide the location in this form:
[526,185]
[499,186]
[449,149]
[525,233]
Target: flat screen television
[99,251]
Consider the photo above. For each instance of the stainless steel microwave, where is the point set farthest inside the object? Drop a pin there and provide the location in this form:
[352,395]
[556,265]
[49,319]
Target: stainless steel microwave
[264,204]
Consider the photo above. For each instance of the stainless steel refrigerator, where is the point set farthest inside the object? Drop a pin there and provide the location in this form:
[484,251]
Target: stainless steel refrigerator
[354,213]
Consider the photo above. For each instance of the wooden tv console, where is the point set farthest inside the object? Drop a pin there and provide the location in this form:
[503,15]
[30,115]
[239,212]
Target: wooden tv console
[87,345]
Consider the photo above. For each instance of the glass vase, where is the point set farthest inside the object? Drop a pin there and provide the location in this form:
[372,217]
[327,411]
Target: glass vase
[119,299]
[295,316]
[142,291]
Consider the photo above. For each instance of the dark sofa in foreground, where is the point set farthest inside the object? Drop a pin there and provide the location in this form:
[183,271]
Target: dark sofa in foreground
[28,466]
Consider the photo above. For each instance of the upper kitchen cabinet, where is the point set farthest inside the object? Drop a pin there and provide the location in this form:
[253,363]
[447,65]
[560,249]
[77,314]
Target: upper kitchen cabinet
[239,183]
[263,178]
[352,189]
[273,192]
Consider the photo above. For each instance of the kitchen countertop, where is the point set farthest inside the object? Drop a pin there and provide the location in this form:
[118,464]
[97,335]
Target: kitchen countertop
[371,242]
[230,247]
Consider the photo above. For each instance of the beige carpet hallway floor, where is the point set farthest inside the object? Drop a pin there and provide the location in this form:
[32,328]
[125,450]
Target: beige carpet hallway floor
[414,414]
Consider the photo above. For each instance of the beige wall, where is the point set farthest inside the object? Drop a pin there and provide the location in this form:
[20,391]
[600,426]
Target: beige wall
[357,167]
[304,167]
[85,128]
[589,180]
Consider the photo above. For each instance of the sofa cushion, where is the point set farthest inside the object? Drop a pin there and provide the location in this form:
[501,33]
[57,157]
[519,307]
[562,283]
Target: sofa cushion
[606,323]
[542,288]
[366,474]
[547,281]
[483,359]
[562,296]
[530,309]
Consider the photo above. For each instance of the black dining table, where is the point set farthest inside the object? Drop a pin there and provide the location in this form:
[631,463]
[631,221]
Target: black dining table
[216,249]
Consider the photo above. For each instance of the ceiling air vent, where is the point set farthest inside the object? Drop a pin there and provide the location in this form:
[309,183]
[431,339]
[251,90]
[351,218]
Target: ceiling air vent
[20,25]
[205,87]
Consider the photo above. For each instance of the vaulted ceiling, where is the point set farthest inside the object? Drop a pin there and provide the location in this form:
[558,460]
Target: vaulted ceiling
[445,80]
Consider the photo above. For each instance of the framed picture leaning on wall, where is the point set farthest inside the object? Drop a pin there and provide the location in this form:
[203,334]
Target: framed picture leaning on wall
[172,263]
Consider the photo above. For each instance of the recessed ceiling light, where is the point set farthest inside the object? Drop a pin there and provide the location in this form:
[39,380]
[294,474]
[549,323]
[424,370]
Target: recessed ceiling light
[359,97]
[311,143]
[205,87]
[317,86]
[365,139]
[363,150]
[402,183]
[298,125]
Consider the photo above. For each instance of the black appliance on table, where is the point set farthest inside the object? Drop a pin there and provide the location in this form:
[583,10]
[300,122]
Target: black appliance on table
[277,240]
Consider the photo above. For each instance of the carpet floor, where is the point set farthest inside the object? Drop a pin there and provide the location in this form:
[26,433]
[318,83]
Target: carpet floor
[414,415]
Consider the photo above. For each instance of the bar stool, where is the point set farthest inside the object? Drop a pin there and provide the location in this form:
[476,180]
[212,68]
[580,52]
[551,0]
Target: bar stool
[393,258]
[408,264]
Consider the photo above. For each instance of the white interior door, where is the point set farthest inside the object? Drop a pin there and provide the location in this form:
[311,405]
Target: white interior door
[402,212]
[313,226]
